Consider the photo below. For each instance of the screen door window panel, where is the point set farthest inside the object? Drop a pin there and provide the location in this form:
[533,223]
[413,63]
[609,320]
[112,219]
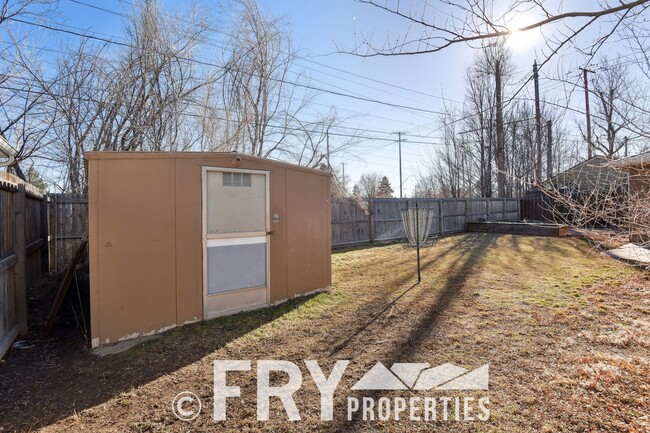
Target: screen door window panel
[236,203]
[235,264]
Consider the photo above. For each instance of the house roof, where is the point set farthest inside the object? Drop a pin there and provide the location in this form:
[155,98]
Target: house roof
[640,159]
[588,173]
[6,151]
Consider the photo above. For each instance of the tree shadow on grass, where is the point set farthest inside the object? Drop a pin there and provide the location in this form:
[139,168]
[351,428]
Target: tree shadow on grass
[378,305]
[468,258]
[53,379]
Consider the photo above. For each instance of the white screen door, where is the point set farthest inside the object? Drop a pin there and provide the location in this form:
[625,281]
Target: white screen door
[235,240]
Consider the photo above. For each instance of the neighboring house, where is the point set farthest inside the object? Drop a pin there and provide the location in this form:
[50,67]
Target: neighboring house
[637,168]
[597,172]
[578,194]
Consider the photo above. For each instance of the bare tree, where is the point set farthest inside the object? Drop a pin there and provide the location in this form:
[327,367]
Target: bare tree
[258,102]
[614,114]
[153,85]
[20,9]
[140,97]
[432,29]
[265,103]
[22,100]
[368,185]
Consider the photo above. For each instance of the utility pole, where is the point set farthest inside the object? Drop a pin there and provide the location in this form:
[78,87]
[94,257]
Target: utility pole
[590,150]
[327,137]
[538,126]
[501,145]
[399,144]
[549,149]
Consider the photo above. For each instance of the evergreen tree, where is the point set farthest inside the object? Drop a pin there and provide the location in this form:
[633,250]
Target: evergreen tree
[385,190]
[34,177]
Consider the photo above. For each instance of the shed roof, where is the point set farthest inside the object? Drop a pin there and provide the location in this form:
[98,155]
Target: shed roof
[194,155]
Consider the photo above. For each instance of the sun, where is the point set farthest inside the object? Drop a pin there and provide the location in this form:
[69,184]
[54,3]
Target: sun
[519,40]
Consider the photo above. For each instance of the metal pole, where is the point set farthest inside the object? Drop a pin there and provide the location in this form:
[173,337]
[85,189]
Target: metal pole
[417,237]
[399,140]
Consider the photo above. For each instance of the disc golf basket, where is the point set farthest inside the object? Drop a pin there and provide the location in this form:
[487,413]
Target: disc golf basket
[417,225]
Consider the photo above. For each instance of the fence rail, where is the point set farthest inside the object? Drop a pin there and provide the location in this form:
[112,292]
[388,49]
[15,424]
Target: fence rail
[360,221]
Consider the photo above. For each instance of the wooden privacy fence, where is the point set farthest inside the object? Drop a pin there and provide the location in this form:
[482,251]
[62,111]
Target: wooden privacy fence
[68,228]
[23,252]
[359,221]
[537,207]
[354,221]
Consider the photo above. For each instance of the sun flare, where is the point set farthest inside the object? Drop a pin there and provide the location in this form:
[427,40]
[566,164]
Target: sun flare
[521,40]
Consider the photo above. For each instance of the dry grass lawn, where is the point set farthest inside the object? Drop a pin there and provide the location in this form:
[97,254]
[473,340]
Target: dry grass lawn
[566,333]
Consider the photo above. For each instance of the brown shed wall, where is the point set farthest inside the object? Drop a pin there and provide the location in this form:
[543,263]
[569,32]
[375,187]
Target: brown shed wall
[145,237]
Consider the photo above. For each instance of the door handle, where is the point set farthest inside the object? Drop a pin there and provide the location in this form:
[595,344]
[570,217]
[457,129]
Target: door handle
[269,233]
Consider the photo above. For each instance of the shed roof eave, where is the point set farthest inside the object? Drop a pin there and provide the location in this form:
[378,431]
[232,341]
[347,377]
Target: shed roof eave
[104,155]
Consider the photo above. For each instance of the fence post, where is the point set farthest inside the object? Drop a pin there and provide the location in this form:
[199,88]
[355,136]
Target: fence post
[487,209]
[441,217]
[466,213]
[371,220]
[55,236]
[20,268]
[45,235]
[505,217]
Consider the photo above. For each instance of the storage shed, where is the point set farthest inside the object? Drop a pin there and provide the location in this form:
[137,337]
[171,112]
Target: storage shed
[176,237]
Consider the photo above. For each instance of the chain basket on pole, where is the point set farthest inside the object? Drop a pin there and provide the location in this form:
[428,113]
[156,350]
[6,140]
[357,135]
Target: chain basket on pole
[417,225]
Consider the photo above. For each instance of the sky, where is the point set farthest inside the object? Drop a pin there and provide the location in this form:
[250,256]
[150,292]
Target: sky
[320,29]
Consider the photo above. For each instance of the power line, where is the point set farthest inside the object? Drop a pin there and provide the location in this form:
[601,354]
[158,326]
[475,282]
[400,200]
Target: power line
[419,92]
[283,127]
[210,108]
[338,108]
[205,63]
